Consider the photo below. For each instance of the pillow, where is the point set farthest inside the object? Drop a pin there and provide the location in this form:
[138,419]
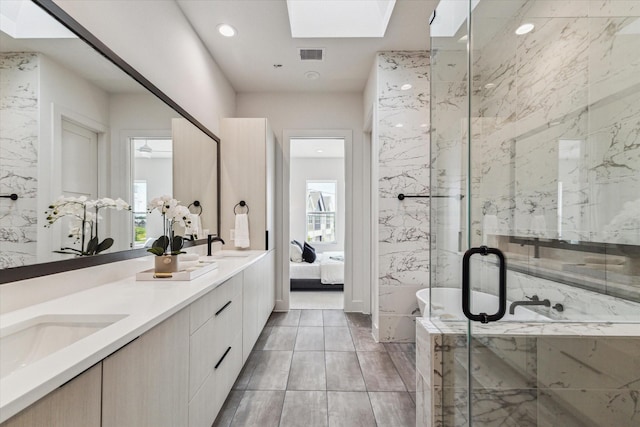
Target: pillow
[295,253]
[297,243]
[308,253]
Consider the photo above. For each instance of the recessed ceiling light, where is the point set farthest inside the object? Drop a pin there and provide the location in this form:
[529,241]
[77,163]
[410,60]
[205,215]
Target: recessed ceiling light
[424,125]
[463,39]
[226,30]
[399,125]
[524,29]
[489,85]
[319,151]
[405,86]
[312,75]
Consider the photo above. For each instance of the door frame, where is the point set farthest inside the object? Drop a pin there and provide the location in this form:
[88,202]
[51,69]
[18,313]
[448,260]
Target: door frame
[283,236]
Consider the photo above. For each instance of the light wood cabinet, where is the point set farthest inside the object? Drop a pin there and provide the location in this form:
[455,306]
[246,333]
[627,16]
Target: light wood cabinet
[76,403]
[215,350]
[247,165]
[146,382]
[258,300]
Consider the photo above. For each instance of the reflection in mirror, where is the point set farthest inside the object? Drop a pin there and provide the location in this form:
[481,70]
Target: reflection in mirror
[74,124]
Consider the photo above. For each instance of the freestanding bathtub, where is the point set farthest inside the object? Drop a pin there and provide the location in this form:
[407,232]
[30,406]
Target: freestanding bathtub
[447,305]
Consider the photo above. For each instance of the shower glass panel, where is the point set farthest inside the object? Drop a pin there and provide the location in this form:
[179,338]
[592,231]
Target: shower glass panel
[536,144]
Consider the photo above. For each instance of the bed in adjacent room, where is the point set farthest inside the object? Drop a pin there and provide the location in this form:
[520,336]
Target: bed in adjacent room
[325,273]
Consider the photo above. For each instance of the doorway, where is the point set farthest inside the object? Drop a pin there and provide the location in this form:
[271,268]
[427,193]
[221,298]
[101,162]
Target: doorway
[317,223]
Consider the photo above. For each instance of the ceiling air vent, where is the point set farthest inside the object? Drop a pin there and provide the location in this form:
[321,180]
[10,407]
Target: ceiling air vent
[311,54]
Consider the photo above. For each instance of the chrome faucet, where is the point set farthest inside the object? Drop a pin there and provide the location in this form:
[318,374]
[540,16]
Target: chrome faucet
[534,300]
[210,239]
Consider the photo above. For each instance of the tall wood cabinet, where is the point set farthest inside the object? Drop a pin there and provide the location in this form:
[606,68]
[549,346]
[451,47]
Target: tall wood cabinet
[247,172]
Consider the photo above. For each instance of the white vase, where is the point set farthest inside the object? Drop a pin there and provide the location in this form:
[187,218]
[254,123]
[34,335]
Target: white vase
[166,264]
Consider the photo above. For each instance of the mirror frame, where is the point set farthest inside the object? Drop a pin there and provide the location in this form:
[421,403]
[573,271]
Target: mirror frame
[31,271]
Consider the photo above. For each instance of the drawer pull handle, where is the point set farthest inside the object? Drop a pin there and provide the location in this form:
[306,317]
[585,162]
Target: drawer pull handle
[223,307]
[222,358]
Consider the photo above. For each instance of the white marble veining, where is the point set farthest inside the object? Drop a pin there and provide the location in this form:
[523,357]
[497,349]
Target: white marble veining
[18,157]
[403,167]
[527,375]
[144,303]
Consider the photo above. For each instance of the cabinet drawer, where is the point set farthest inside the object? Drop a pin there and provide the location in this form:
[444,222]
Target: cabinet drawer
[201,355]
[228,322]
[208,400]
[208,305]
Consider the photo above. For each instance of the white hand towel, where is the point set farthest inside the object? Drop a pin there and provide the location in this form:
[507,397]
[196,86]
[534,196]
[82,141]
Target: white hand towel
[196,226]
[489,226]
[242,231]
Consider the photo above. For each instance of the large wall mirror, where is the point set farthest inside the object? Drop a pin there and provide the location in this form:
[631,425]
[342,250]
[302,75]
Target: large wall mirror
[74,124]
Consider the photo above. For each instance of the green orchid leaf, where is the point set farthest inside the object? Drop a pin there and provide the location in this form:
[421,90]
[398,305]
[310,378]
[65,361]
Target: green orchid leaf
[162,242]
[92,245]
[106,244]
[156,250]
[177,252]
[177,243]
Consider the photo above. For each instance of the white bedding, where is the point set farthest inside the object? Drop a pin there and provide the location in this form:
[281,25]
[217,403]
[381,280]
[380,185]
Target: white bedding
[329,271]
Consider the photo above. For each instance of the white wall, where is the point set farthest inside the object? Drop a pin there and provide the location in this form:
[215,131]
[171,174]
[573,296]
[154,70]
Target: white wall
[319,111]
[315,169]
[172,56]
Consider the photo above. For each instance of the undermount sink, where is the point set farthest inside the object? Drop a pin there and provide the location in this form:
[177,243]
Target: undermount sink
[31,340]
[231,254]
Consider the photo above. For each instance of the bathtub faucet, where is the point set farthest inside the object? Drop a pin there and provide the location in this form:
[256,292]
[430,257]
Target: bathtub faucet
[534,300]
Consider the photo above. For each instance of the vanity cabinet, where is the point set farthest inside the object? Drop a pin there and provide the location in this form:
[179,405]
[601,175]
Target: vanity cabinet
[146,383]
[258,301]
[247,166]
[76,403]
[215,350]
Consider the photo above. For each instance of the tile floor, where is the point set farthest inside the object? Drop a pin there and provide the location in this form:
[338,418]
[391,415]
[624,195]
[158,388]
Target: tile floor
[322,368]
[316,300]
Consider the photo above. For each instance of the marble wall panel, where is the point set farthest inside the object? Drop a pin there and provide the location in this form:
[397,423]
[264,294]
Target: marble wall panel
[403,167]
[18,157]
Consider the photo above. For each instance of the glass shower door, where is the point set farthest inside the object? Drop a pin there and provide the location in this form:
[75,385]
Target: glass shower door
[535,112]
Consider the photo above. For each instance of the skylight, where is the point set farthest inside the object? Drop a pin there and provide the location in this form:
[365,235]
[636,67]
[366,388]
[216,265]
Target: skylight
[339,18]
[25,20]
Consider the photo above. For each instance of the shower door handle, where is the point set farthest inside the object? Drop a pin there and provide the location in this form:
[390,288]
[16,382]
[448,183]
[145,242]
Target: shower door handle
[466,285]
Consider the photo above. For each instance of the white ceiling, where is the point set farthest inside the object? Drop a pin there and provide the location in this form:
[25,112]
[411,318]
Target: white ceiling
[264,39]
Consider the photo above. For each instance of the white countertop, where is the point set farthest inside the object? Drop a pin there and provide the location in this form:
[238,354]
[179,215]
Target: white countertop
[145,304]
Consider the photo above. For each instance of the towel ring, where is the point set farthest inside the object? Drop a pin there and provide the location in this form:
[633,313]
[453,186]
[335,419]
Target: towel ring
[195,204]
[242,204]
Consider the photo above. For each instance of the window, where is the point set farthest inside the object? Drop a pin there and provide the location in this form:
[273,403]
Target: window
[321,211]
[139,213]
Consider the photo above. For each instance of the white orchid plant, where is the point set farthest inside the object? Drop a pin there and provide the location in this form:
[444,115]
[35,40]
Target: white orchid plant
[172,213]
[85,215]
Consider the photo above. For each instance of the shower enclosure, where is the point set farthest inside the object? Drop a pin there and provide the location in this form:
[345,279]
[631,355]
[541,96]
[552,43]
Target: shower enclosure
[535,229]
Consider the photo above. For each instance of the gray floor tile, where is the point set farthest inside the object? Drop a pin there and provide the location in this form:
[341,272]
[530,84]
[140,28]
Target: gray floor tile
[379,372]
[307,371]
[334,318]
[225,416]
[311,318]
[304,408]
[343,371]
[310,338]
[259,408]
[281,338]
[350,409]
[358,320]
[363,340]
[272,371]
[393,409]
[262,339]
[400,346]
[337,339]
[245,374]
[285,318]
[405,363]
